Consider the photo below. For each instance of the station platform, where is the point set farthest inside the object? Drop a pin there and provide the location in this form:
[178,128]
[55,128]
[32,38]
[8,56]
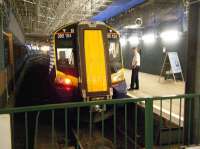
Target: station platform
[150,86]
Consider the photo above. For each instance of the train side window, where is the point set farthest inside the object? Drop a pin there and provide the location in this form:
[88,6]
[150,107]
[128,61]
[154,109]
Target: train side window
[115,55]
[114,49]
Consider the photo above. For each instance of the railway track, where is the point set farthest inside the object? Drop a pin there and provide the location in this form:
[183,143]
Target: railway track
[95,141]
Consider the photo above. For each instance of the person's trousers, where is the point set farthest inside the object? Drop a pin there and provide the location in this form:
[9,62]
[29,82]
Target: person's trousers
[135,78]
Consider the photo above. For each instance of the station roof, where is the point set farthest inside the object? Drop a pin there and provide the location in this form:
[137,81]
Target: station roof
[44,16]
[41,17]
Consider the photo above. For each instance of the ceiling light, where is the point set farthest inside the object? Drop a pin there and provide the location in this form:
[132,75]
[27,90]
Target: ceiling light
[45,48]
[135,26]
[149,38]
[122,41]
[133,40]
[34,47]
[170,36]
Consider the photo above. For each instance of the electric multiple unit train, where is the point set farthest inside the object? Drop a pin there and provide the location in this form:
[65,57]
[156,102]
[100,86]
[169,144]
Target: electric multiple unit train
[86,62]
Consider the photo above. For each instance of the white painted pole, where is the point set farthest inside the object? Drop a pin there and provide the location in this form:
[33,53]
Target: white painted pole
[5,132]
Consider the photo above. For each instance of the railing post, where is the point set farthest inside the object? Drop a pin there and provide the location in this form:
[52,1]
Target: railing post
[149,124]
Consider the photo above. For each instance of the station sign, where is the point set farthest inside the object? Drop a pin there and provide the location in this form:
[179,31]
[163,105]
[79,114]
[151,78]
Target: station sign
[171,65]
[175,63]
[65,33]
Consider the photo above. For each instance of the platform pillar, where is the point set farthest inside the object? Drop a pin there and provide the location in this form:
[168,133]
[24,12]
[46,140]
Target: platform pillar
[192,107]
[1,37]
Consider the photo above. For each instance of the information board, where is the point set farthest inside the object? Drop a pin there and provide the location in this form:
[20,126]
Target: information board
[174,62]
[171,66]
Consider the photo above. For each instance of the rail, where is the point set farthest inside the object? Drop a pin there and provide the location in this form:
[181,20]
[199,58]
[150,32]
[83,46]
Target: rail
[126,123]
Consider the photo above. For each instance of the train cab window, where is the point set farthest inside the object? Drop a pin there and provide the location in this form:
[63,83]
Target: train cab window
[115,55]
[114,49]
[65,57]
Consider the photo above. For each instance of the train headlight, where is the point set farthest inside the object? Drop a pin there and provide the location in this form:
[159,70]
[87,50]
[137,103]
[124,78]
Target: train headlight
[67,81]
[64,81]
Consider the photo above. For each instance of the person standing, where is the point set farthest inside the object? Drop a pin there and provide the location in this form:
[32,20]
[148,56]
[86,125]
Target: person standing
[135,69]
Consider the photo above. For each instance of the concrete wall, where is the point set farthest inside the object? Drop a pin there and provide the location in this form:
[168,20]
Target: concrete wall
[15,29]
[152,55]
[157,15]
[7,24]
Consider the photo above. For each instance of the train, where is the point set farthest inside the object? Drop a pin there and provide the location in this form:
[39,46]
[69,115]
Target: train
[86,62]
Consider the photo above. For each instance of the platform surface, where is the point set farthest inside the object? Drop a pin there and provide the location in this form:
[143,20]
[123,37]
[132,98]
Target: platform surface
[150,86]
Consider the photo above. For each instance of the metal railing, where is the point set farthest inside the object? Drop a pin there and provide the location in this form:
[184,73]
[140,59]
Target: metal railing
[155,122]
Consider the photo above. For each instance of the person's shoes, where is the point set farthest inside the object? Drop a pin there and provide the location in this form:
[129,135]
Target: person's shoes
[130,89]
[136,88]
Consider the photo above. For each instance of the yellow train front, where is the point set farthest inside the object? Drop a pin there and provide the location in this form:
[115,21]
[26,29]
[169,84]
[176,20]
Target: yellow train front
[86,62]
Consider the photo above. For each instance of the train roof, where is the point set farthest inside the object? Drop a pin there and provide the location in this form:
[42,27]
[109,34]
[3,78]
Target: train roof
[84,22]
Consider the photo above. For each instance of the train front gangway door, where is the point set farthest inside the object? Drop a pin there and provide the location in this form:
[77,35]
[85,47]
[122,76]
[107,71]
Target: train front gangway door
[94,70]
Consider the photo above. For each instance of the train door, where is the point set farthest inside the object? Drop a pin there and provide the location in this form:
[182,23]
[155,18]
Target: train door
[94,62]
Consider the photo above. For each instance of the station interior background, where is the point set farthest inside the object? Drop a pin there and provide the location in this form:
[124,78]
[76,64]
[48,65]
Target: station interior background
[154,26]
[171,17]
[164,29]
